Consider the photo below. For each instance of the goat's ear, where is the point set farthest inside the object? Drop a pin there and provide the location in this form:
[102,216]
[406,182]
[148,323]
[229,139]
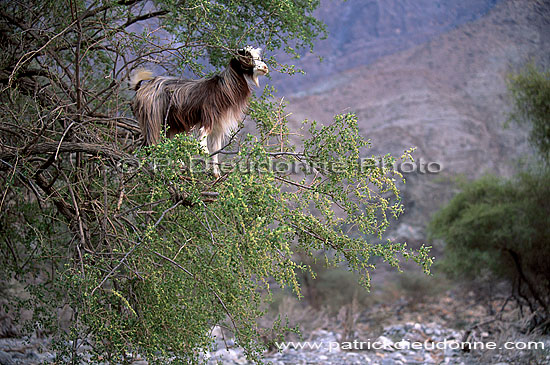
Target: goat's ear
[245,58]
[257,51]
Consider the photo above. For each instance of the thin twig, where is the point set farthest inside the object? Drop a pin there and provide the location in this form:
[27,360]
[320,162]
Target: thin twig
[134,248]
[29,55]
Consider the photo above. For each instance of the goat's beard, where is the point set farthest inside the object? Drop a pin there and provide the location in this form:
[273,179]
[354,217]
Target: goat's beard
[255,76]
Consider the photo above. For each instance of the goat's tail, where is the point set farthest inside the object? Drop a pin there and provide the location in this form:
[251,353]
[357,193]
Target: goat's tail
[138,76]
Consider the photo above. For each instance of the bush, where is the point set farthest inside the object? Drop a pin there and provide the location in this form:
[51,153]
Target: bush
[501,227]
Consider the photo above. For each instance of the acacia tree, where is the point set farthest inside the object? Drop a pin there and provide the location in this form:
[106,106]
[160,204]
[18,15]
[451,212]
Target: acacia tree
[147,251]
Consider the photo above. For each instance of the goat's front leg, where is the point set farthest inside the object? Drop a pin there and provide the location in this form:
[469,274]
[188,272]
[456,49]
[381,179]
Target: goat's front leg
[215,143]
[211,142]
[208,145]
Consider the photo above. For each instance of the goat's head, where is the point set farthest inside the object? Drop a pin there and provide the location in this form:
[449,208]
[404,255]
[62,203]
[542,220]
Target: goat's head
[251,62]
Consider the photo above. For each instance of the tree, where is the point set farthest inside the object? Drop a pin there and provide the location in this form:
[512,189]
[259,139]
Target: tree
[146,248]
[530,92]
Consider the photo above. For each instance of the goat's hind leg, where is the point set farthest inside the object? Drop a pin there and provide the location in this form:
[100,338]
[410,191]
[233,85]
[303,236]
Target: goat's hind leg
[203,140]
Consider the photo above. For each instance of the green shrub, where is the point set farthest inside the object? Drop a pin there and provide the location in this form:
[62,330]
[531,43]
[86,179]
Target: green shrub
[501,227]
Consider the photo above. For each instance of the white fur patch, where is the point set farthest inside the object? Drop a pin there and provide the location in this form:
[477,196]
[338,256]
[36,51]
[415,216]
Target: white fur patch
[203,140]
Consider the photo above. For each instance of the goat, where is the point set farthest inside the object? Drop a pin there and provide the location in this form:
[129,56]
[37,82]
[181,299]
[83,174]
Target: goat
[209,108]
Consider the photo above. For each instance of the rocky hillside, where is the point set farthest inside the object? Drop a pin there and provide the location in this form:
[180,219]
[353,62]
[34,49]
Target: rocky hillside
[362,31]
[445,95]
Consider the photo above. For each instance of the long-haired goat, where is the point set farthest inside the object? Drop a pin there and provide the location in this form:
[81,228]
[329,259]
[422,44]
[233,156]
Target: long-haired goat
[209,108]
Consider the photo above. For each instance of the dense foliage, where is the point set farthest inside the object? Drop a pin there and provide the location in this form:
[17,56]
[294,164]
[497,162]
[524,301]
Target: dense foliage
[501,227]
[141,246]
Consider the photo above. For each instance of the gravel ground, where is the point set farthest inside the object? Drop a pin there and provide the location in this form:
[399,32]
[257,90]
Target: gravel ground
[408,343]
[394,346]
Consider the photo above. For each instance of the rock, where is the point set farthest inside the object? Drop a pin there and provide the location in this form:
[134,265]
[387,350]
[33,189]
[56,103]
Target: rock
[403,345]
[227,356]
[385,343]
[399,357]
[140,362]
[451,350]
[360,32]
[428,359]
[5,359]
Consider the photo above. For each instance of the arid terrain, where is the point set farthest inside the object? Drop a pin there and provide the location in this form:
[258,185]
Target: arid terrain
[437,83]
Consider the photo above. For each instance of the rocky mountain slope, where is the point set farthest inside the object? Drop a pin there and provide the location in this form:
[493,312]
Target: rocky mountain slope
[362,31]
[445,96]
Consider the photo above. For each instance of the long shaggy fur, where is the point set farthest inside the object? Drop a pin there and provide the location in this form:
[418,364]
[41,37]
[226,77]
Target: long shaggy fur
[210,108]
